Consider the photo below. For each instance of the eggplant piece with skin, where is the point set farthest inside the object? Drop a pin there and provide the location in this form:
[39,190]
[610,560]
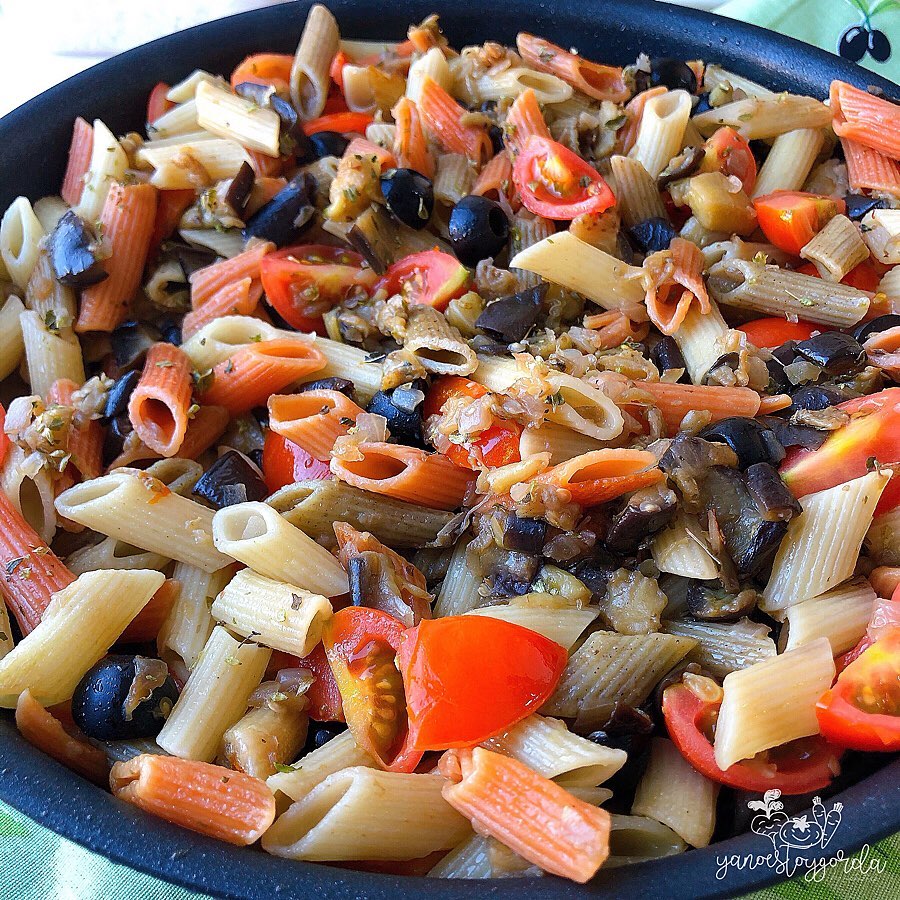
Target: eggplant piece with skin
[114,437]
[130,342]
[865,330]
[652,235]
[511,318]
[712,602]
[230,479]
[730,361]
[118,396]
[835,352]
[686,163]
[73,253]
[752,441]
[335,383]
[512,573]
[595,572]
[284,217]
[523,535]
[791,435]
[644,513]
[666,355]
[190,258]
[773,499]
[238,192]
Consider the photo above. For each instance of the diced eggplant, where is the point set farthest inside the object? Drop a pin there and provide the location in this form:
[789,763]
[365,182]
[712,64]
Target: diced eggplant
[285,216]
[814,397]
[865,330]
[681,166]
[512,573]
[192,259]
[238,192]
[837,353]
[627,729]
[687,461]
[752,441]
[730,361]
[230,479]
[711,602]
[524,535]
[511,318]
[859,205]
[335,383]
[595,572]
[773,499]
[666,355]
[73,253]
[790,435]
[130,343]
[645,512]
[403,425]
[118,396]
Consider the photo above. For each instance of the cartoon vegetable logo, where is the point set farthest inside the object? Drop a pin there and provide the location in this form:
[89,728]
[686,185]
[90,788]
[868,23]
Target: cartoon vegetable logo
[858,40]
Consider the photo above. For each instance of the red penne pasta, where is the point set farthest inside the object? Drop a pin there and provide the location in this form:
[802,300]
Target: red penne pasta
[442,116]
[614,328]
[79,161]
[169,210]
[85,436]
[675,401]
[145,626]
[673,279]
[257,371]
[313,419]
[38,726]
[773,404]
[361,147]
[870,170]
[530,814]
[222,803]
[410,145]
[593,79]
[634,110]
[865,118]
[208,281]
[602,475]
[523,120]
[237,299]
[406,473]
[31,572]
[127,222]
[495,178]
[158,408]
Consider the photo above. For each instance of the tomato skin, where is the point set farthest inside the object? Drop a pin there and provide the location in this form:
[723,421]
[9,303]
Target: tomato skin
[272,69]
[791,219]
[873,676]
[431,278]
[323,695]
[773,331]
[158,103]
[495,446]
[873,431]
[361,645]
[446,664]
[284,462]
[337,69]
[885,616]
[342,122]
[864,277]
[304,282]
[558,184]
[684,713]
[729,153]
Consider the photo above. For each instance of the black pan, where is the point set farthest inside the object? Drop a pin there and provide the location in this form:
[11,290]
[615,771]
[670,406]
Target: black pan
[34,140]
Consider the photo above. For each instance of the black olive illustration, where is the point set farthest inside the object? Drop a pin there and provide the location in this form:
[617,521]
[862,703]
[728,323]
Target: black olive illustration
[879,46]
[854,43]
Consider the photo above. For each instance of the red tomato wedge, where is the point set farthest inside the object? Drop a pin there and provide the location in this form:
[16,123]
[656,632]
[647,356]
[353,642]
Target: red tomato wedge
[493,447]
[265,68]
[284,462]
[862,710]
[158,103]
[323,695]
[342,122]
[885,616]
[872,434]
[361,645]
[468,678]
[337,68]
[558,184]
[808,764]
[865,276]
[773,331]
[729,153]
[431,277]
[791,219]
[302,283]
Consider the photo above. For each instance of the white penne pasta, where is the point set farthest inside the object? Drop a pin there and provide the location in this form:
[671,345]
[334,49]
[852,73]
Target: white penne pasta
[497,373]
[508,84]
[701,337]
[661,130]
[277,615]
[454,178]
[837,249]
[471,860]
[881,233]
[822,544]
[769,290]
[218,340]
[789,161]
[108,164]
[49,355]
[772,702]
[459,590]
[223,113]
[29,486]
[187,88]
[565,260]
[840,615]
[548,747]
[560,442]
[227,243]
[564,626]
[309,73]
[341,752]
[724,648]
[12,344]
[436,344]
[78,627]
[20,232]
[179,475]
[254,534]
[181,119]
[140,510]
[168,284]
[215,696]
[584,409]
[342,818]
[264,738]
[681,550]
[674,793]
[430,64]
[344,361]
[382,134]
[634,839]
[766,117]
[890,287]
[636,191]
[883,539]
[714,76]
[111,553]
[6,639]
[187,161]
[49,210]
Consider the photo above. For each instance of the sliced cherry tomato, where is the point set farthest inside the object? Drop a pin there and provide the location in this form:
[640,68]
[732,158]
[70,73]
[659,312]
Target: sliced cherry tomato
[343,122]
[265,68]
[808,764]
[791,219]
[335,102]
[885,616]
[158,103]
[729,153]
[361,645]
[773,331]
[862,710]
[493,447]
[872,434]
[323,694]
[864,277]
[284,462]
[302,283]
[337,69]
[432,278]
[468,678]
[556,183]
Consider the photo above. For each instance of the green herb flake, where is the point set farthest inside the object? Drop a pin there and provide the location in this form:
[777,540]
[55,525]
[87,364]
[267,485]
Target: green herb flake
[280,767]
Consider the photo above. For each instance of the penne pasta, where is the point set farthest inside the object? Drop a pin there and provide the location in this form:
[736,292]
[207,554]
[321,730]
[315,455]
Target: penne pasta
[636,191]
[20,233]
[868,169]
[436,344]
[700,338]
[863,117]
[231,117]
[159,406]
[313,419]
[837,249]
[789,161]
[564,626]
[724,648]
[309,73]
[107,167]
[660,133]
[766,117]
[79,161]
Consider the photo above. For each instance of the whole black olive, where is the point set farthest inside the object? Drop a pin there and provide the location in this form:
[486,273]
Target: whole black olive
[495,133]
[403,425]
[229,480]
[119,395]
[652,235]
[170,332]
[674,74]
[525,535]
[751,441]
[238,192]
[859,205]
[666,355]
[510,318]
[130,343]
[285,216]
[73,253]
[328,143]
[710,602]
[409,196]
[703,105]
[114,438]
[837,353]
[814,397]
[478,229]
[866,329]
[320,733]
[114,700]
[335,383]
